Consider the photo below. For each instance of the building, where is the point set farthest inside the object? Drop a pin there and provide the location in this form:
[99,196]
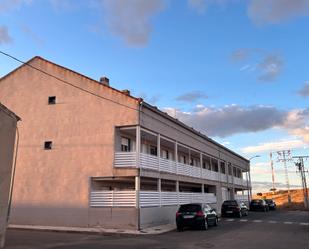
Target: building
[91,155]
[8,126]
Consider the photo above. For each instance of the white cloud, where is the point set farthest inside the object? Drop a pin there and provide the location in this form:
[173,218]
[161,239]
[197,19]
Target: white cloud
[7,5]
[304,91]
[276,11]
[192,96]
[230,119]
[274,146]
[5,38]
[131,19]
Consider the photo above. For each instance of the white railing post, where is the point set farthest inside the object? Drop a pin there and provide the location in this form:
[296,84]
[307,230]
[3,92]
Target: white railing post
[176,156]
[159,150]
[138,145]
[201,164]
[177,190]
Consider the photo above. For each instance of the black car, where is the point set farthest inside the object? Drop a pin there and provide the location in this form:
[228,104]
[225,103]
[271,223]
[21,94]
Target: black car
[234,207]
[259,205]
[196,215]
[271,204]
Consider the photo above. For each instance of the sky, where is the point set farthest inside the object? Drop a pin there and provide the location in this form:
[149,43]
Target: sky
[236,70]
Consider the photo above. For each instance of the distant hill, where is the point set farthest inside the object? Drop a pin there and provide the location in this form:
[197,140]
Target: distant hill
[281,198]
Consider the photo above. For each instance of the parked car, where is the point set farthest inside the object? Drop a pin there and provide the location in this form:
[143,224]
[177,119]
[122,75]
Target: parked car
[259,205]
[234,207]
[271,204]
[196,215]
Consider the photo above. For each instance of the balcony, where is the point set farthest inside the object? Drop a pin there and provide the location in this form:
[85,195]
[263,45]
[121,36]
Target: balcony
[147,198]
[146,161]
[139,148]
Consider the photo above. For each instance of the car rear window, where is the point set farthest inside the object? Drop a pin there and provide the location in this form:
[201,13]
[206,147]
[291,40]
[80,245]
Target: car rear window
[190,208]
[256,201]
[230,203]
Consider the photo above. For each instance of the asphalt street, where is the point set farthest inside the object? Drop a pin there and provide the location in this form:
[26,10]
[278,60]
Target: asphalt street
[275,229]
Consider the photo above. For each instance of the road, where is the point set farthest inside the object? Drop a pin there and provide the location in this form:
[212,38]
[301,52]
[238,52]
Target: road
[276,229]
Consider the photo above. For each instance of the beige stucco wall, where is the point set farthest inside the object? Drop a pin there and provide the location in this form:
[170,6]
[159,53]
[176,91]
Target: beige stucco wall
[7,142]
[54,184]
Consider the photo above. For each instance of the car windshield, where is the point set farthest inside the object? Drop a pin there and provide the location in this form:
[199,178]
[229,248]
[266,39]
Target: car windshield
[230,203]
[190,208]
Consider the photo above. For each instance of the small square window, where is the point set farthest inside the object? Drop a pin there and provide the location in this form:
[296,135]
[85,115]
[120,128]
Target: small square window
[52,100]
[48,145]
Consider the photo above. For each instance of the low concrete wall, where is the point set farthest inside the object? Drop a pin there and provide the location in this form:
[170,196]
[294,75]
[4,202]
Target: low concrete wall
[125,218]
[155,216]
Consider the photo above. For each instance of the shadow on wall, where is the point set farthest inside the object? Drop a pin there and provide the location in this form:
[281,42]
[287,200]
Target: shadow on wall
[125,218]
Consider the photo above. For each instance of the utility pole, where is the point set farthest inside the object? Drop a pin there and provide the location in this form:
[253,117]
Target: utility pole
[301,168]
[272,172]
[285,156]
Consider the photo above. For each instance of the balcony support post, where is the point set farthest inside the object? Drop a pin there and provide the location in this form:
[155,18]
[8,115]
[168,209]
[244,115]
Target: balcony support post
[159,150]
[159,191]
[138,145]
[176,156]
[201,164]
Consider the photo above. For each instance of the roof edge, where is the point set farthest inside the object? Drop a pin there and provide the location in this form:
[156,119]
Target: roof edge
[163,114]
[9,112]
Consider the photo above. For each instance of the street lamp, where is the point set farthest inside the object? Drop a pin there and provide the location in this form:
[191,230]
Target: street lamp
[250,189]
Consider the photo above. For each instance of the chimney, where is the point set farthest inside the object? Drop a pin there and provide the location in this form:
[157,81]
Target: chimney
[104,81]
[126,92]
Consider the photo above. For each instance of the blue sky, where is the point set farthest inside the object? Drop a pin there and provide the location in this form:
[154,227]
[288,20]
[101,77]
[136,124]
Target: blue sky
[236,70]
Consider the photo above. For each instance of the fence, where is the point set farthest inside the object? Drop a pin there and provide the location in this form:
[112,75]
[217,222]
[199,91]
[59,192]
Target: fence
[147,198]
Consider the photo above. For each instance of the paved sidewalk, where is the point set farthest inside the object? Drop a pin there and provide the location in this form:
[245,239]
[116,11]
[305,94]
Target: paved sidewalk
[151,230]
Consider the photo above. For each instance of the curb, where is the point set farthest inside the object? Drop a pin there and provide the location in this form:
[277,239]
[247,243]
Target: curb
[147,231]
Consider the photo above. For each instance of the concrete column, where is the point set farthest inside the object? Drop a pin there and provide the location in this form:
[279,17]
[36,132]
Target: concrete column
[250,186]
[137,190]
[176,156]
[159,149]
[177,190]
[219,197]
[201,163]
[159,190]
[203,189]
[138,145]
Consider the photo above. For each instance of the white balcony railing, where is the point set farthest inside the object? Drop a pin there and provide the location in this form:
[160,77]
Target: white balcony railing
[147,198]
[146,161]
[241,197]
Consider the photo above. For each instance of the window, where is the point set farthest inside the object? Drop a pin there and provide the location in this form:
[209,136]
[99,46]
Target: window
[207,163]
[48,145]
[182,159]
[153,150]
[214,163]
[165,154]
[222,167]
[230,168]
[125,144]
[52,100]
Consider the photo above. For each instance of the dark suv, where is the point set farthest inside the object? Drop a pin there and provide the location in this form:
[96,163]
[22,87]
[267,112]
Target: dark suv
[197,215]
[259,205]
[271,204]
[235,208]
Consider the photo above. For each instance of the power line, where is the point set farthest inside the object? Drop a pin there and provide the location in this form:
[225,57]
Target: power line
[64,81]
[94,94]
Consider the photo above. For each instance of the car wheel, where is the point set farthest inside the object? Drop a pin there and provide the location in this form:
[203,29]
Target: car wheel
[179,228]
[205,225]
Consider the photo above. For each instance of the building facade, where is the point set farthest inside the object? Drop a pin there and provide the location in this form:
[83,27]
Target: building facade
[91,155]
[8,126]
